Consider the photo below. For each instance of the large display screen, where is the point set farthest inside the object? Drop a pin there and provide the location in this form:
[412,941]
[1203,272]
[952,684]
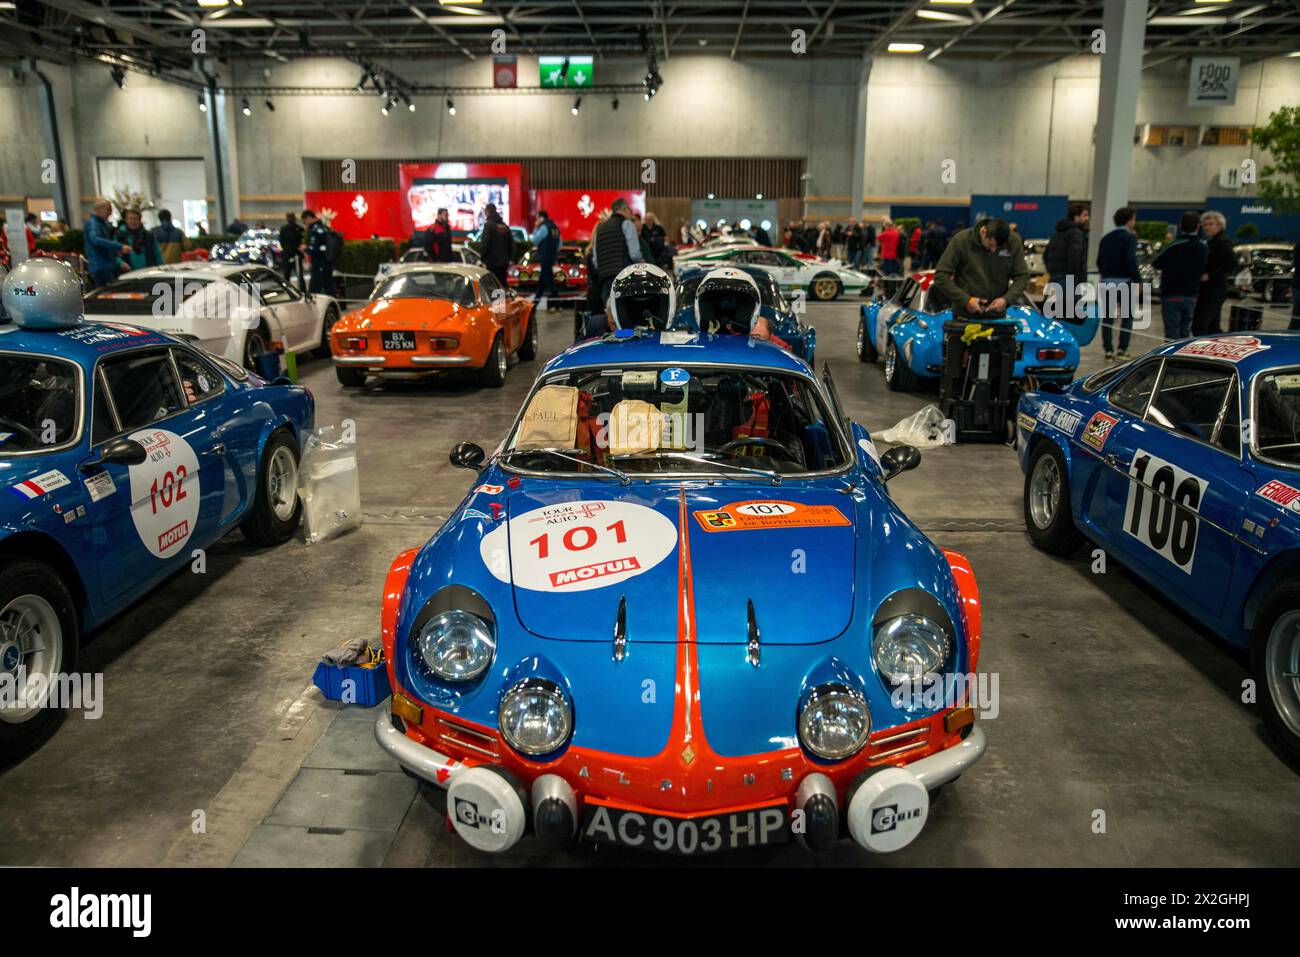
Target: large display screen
[464,200]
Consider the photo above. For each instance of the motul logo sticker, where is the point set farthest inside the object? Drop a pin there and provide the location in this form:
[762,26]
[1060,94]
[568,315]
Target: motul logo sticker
[587,572]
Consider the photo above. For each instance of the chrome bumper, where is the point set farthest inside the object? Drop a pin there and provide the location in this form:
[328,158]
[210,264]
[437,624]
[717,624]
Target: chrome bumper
[434,766]
[360,360]
[942,767]
[440,360]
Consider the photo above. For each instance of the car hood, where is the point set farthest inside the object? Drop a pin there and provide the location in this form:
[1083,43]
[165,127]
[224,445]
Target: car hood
[431,314]
[575,556]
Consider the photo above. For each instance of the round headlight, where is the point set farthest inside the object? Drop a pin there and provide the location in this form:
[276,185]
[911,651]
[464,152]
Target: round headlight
[534,716]
[456,646]
[909,647]
[834,722]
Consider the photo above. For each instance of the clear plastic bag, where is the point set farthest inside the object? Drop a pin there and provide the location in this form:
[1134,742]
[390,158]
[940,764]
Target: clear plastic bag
[926,429]
[329,486]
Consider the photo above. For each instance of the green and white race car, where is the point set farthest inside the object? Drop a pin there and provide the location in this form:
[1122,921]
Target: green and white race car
[794,272]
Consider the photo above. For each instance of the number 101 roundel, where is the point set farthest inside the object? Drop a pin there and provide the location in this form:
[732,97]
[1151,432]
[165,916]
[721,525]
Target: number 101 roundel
[1185,465]
[678,612]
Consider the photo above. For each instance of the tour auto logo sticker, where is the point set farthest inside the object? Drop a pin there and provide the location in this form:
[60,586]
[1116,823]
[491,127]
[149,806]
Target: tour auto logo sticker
[761,515]
[165,492]
[578,546]
[1097,431]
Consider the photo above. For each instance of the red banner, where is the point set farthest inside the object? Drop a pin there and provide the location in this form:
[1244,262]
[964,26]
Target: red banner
[576,211]
[359,214]
[463,189]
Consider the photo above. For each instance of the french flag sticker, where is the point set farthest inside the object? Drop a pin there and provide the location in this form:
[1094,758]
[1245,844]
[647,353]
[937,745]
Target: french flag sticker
[40,485]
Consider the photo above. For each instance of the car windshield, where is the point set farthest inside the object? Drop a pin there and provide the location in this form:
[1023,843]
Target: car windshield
[39,399]
[426,285]
[1277,416]
[155,296]
[671,419]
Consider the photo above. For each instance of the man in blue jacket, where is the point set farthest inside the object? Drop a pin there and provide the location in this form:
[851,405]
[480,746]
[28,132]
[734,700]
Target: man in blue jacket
[546,239]
[103,252]
[1118,267]
[1181,265]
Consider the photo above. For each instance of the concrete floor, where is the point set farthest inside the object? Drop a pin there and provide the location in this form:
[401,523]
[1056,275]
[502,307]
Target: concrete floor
[213,748]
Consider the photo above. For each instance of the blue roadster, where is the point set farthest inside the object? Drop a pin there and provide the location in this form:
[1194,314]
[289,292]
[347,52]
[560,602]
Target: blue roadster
[122,451]
[907,330]
[1185,465]
[678,610]
[785,323]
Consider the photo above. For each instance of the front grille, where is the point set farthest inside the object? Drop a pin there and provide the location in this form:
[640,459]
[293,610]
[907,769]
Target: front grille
[458,736]
[899,742]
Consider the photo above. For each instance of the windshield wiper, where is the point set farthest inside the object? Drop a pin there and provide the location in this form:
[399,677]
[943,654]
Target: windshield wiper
[569,455]
[706,460]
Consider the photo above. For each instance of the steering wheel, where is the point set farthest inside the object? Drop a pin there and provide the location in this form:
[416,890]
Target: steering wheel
[757,440]
[19,427]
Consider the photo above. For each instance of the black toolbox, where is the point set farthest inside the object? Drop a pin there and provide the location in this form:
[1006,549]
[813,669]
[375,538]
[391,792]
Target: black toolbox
[975,389]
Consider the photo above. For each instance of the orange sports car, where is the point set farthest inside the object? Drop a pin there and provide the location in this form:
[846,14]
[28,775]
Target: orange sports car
[427,318]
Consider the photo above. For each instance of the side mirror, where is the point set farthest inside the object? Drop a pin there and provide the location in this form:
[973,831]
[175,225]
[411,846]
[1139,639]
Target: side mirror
[467,455]
[900,459]
[119,451]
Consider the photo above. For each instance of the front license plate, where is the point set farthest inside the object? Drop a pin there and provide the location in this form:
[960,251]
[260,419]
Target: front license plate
[399,341]
[686,835]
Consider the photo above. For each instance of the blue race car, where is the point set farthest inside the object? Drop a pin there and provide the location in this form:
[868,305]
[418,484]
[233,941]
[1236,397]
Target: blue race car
[908,331]
[122,450]
[679,611]
[1185,465]
[783,321]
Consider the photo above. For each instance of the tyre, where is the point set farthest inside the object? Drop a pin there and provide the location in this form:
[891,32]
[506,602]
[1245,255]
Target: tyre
[256,343]
[1275,664]
[1047,502]
[276,509]
[866,348]
[825,288]
[528,348]
[352,378]
[493,374]
[39,635]
[898,376]
[331,317]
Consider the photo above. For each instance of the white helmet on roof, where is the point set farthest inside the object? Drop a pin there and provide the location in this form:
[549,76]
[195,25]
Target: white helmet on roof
[43,293]
[642,295]
[727,300]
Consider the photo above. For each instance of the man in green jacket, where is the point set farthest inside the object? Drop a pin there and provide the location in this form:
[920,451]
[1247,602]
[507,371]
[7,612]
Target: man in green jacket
[982,270]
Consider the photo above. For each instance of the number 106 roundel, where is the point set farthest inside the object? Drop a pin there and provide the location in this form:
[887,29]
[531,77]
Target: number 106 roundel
[1185,465]
[677,611]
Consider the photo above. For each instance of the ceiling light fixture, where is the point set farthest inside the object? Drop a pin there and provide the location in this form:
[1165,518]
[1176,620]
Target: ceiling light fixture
[270,106]
[577,104]
[245,108]
[906,47]
[451,107]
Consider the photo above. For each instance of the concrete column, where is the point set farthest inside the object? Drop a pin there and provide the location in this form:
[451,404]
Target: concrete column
[860,139]
[59,130]
[1121,71]
[223,172]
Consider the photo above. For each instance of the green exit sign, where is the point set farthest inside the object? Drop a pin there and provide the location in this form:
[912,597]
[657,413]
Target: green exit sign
[553,74]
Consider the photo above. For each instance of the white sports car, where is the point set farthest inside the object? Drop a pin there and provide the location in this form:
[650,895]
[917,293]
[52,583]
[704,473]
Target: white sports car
[460,253]
[819,280]
[235,310]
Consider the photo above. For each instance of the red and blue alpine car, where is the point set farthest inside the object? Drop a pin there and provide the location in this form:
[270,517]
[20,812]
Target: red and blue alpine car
[678,611]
